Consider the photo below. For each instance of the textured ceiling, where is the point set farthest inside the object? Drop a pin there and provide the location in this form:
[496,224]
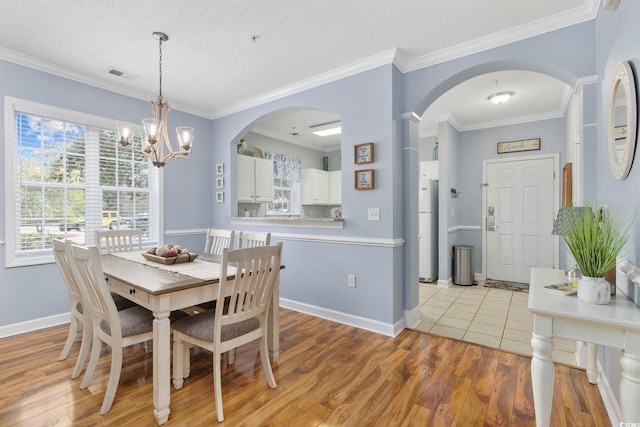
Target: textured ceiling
[213,67]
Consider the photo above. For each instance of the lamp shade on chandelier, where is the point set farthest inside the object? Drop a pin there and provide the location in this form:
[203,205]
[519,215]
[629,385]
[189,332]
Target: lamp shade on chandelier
[156,137]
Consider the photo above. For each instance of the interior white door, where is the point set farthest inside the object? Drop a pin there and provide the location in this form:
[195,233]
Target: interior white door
[520,196]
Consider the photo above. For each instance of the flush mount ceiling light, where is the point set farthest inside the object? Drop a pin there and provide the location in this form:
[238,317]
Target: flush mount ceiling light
[155,128]
[327,129]
[500,97]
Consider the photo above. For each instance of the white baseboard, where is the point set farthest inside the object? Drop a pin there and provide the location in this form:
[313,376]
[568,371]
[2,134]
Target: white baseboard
[445,283]
[391,330]
[34,325]
[412,317]
[611,404]
[387,329]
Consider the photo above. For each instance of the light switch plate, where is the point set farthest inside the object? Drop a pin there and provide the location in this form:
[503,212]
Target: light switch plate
[373,214]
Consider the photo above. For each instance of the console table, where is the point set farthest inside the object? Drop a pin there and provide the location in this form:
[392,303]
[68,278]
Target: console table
[616,324]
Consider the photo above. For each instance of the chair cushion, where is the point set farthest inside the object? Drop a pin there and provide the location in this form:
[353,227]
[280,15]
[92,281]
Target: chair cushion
[121,302]
[135,320]
[200,326]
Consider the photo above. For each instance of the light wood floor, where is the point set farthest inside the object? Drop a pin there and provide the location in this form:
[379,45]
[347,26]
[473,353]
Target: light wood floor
[328,375]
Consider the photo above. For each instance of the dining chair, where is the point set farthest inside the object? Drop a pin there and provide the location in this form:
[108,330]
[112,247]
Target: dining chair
[217,240]
[251,239]
[254,273]
[119,240]
[109,241]
[117,329]
[62,256]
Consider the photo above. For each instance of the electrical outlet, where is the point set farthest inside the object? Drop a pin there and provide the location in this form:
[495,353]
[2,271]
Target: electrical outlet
[373,214]
[351,280]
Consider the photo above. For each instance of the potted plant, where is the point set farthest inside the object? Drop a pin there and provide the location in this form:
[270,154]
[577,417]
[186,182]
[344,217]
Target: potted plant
[595,237]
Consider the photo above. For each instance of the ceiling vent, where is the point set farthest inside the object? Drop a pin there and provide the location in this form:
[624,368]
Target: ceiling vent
[123,74]
[611,4]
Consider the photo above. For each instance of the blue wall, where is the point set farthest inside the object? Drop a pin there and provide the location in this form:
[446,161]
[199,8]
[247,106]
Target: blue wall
[617,41]
[28,293]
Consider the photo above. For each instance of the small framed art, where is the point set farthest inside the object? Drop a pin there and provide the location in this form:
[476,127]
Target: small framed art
[220,182]
[522,145]
[363,153]
[220,169]
[220,196]
[363,179]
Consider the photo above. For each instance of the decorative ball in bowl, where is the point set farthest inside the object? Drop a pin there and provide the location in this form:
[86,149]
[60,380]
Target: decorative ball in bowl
[169,254]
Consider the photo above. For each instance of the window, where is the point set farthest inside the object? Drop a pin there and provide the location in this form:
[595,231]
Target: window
[286,185]
[286,198]
[67,177]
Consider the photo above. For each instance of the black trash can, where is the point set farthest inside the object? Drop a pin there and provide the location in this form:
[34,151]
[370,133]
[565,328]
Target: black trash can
[463,265]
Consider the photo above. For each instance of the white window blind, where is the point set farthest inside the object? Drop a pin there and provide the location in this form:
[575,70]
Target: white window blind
[66,177]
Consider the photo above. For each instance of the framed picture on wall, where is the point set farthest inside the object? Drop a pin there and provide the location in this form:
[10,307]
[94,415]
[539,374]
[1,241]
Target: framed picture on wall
[219,168]
[363,179]
[363,153]
[220,182]
[219,196]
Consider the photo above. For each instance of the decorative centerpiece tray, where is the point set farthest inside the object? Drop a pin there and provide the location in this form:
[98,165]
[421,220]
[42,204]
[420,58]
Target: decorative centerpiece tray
[172,260]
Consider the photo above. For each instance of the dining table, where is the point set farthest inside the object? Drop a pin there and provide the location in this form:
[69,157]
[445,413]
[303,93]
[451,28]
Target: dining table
[162,288]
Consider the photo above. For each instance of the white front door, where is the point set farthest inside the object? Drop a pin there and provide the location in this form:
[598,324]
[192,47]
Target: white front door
[521,201]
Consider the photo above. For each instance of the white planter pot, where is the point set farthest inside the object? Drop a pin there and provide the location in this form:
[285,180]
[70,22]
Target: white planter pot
[594,290]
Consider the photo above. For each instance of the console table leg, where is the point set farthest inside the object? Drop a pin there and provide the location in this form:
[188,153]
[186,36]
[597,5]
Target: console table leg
[592,362]
[542,377]
[630,387]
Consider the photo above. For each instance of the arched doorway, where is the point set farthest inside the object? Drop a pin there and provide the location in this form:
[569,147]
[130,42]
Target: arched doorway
[448,129]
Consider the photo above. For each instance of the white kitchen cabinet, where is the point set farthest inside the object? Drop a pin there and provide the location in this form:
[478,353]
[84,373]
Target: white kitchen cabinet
[320,187]
[255,179]
[335,187]
[315,187]
[263,180]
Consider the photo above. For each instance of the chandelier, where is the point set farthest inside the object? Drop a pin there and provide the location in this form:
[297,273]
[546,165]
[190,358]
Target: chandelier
[156,137]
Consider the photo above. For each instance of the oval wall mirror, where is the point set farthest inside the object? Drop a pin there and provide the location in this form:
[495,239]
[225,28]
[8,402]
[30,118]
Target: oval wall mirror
[622,125]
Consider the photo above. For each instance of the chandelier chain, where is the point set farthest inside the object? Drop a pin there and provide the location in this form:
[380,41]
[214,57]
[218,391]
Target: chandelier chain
[160,74]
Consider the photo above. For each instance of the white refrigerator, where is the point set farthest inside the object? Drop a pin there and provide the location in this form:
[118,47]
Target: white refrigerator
[428,229]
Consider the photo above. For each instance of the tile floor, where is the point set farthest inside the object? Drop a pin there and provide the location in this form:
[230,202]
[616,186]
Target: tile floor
[491,317]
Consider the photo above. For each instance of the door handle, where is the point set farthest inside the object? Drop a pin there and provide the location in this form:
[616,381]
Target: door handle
[491,219]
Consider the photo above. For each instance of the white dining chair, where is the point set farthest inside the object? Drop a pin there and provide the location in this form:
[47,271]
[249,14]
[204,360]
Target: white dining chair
[109,241]
[244,320]
[217,240]
[117,329]
[252,239]
[80,320]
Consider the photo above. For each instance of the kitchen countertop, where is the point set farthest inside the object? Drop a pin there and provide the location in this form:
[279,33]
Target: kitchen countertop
[294,221]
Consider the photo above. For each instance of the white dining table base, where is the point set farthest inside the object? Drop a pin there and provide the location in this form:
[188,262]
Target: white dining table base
[161,366]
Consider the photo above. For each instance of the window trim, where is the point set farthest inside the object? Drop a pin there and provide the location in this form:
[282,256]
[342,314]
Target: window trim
[11,106]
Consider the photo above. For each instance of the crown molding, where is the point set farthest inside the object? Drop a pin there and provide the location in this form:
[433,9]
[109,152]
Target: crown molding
[59,71]
[576,16]
[348,70]
[393,56]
